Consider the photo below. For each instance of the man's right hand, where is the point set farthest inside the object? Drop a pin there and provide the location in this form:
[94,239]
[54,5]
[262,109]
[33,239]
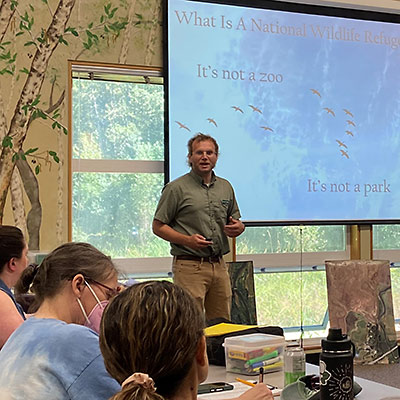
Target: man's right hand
[198,241]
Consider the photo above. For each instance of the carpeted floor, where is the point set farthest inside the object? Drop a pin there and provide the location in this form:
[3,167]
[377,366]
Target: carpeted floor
[387,374]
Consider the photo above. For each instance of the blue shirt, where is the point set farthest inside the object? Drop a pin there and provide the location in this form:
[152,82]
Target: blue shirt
[4,288]
[50,359]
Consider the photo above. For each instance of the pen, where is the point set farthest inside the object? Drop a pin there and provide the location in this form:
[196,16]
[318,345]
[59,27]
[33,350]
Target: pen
[261,377]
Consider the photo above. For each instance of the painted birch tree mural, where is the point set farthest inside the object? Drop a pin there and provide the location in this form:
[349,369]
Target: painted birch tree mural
[143,29]
[17,22]
[155,23]
[26,107]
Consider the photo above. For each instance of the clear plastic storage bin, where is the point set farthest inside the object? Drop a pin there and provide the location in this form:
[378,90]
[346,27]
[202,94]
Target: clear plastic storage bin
[247,353]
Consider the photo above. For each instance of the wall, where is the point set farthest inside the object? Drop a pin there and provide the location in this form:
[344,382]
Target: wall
[112,31]
[133,36]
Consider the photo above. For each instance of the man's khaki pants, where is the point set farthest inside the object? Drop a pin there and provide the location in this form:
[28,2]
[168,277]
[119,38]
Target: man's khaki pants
[208,282]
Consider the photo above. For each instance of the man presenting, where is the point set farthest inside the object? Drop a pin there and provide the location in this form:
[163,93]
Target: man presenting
[196,213]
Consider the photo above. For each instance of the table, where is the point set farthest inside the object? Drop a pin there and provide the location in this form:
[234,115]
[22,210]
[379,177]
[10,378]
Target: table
[370,390]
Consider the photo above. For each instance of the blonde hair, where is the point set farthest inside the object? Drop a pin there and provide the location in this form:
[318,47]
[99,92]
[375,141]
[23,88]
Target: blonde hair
[200,137]
[154,328]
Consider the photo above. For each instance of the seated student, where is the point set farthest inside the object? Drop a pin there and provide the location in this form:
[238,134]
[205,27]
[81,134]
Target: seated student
[13,261]
[52,355]
[152,341]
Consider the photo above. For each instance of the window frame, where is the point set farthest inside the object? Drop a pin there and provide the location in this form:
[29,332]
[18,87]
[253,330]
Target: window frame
[103,71]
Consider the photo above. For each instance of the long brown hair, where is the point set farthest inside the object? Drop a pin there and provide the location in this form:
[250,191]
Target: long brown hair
[154,328]
[61,265]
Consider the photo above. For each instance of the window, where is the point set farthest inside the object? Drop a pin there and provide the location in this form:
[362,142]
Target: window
[387,237]
[386,244]
[289,278]
[117,161]
[286,243]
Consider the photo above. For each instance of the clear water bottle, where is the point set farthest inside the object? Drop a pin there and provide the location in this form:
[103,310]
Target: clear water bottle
[336,367]
[294,364]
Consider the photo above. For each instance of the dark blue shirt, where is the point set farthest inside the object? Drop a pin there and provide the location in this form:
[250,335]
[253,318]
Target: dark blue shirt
[7,290]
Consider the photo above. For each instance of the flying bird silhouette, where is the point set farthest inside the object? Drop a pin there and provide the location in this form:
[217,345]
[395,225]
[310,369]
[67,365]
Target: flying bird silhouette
[182,126]
[211,121]
[341,144]
[329,111]
[237,109]
[255,109]
[316,92]
[350,133]
[350,122]
[344,153]
[348,112]
[267,128]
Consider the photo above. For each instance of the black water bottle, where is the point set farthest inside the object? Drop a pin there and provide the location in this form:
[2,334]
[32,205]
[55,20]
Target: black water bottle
[336,367]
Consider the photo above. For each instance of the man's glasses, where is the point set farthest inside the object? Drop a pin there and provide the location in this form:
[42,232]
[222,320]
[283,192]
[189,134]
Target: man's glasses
[208,153]
[112,291]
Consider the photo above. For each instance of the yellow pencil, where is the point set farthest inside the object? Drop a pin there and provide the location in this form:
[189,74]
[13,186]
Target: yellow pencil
[253,384]
[246,382]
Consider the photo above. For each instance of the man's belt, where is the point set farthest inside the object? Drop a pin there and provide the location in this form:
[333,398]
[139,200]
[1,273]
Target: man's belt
[211,259]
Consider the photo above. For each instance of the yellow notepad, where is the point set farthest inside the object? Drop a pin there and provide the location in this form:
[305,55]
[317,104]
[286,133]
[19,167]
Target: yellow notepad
[223,328]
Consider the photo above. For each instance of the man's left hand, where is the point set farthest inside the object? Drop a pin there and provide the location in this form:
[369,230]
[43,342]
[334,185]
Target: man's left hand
[234,227]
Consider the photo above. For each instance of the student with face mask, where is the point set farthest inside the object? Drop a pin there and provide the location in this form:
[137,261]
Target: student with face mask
[52,354]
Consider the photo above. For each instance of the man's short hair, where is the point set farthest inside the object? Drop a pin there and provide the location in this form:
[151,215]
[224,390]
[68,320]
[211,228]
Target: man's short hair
[201,137]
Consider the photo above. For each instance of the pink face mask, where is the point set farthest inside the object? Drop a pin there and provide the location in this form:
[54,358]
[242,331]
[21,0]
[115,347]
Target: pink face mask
[94,318]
